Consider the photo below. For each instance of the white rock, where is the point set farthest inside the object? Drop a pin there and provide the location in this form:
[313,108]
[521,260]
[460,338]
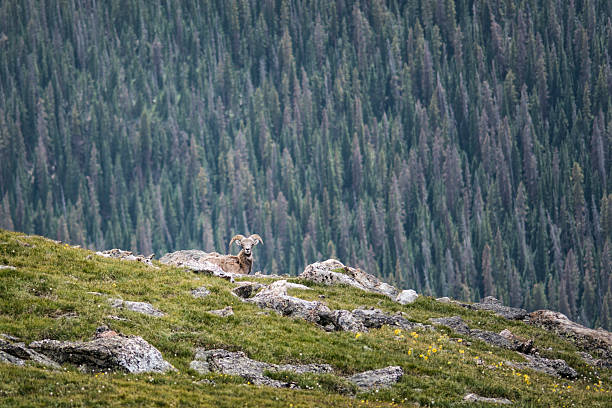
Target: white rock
[406,296]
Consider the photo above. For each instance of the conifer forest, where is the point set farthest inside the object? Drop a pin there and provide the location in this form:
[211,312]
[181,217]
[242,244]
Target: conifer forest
[462,148]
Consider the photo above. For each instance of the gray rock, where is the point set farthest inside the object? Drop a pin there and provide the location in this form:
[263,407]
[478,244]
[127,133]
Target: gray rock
[554,367]
[406,296]
[128,256]
[194,260]
[494,305]
[595,362]
[343,320]
[139,307]
[237,363]
[200,292]
[598,342]
[455,322]
[20,352]
[477,398]
[246,289]
[374,379]
[10,359]
[333,272]
[8,267]
[505,339]
[109,351]
[444,299]
[226,311]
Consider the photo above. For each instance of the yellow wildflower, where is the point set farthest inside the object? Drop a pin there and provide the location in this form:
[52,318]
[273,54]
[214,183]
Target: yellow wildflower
[461,351]
[358,335]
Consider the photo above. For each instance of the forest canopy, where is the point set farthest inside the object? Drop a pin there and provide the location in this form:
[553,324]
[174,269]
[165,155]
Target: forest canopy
[458,147]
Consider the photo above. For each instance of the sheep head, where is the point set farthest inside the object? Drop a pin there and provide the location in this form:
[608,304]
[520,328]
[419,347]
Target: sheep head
[246,243]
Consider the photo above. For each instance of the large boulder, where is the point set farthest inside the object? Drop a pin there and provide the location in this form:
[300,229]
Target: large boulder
[108,351]
[375,379]
[406,297]
[333,272]
[237,363]
[195,261]
[598,342]
[555,367]
[13,351]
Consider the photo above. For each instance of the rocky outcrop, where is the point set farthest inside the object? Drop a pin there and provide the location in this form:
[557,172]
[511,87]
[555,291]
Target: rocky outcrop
[597,342]
[505,339]
[128,256]
[194,260]
[237,363]
[554,367]
[108,351]
[275,297]
[488,400]
[333,272]
[15,352]
[375,379]
[138,307]
[492,304]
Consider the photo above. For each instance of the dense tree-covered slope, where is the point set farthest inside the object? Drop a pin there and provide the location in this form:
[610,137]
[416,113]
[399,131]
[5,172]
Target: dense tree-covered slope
[459,147]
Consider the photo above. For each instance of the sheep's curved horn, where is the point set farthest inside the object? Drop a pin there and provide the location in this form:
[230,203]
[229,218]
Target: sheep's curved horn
[256,238]
[236,238]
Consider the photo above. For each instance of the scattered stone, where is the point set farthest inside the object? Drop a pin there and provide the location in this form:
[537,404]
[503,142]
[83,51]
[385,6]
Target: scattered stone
[108,351]
[246,289]
[139,307]
[375,379]
[333,272]
[492,304]
[444,299]
[597,342]
[226,311]
[406,296]
[120,319]
[194,260]
[200,292]
[9,267]
[477,398]
[8,337]
[237,363]
[128,256]
[554,367]
[95,293]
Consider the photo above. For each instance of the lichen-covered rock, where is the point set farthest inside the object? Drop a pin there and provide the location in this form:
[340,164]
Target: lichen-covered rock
[375,379]
[138,307]
[332,272]
[519,343]
[343,320]
[555,367]
[492,304]
[406,297]
[594,341]
[128,256]
[237,363]
[17,353]
[110,351]
[195,261]
[200,292]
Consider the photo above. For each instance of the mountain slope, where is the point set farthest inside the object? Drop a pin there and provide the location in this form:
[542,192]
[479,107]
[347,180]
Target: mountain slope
[59,292]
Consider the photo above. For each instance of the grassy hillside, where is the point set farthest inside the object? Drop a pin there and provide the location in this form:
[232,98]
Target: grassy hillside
[48,296]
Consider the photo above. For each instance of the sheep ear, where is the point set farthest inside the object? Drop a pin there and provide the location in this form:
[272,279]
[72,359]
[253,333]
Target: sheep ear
[256,238]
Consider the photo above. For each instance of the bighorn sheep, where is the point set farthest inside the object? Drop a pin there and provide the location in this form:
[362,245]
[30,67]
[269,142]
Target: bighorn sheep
[241,263]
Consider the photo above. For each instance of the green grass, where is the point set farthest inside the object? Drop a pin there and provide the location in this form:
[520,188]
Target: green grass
[47,297]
